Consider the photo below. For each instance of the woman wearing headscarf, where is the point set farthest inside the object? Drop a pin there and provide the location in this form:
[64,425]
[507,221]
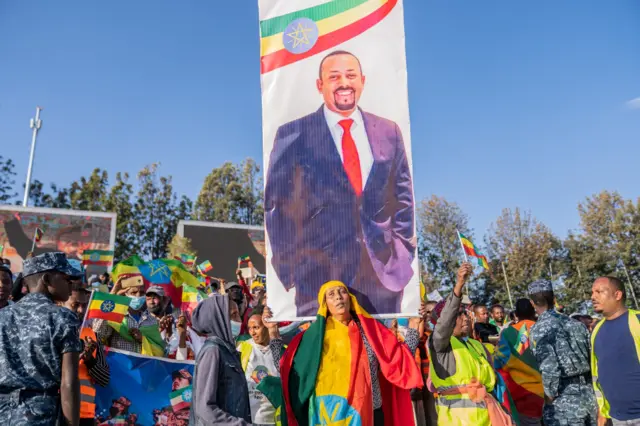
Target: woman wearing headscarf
[349,368]
[220,394]
[259,357]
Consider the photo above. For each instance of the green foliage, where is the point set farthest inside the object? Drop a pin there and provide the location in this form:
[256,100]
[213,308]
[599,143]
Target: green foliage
[7,181]
[232,193]
[156,212]
[439,247]
[525,246]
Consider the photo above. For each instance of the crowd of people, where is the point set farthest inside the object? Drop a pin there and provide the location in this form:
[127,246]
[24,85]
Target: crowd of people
[455,364]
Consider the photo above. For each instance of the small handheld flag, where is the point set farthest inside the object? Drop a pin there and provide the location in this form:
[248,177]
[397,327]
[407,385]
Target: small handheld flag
[470,250]
[38,235]
[205,267]
[97,257]
[110,307]
[187,259]
[244,258]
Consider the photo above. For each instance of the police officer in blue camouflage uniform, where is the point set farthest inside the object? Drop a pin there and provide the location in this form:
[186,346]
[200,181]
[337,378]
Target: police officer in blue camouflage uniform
[39,348]
[562,349]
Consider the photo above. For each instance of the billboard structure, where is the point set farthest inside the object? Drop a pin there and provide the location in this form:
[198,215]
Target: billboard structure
[223,243]
[339,201]
[69,231]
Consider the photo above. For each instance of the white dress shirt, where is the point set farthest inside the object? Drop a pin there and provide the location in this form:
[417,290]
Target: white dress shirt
[359,135]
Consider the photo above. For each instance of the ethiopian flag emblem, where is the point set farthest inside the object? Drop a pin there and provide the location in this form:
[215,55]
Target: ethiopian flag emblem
[326,378]
[298,35]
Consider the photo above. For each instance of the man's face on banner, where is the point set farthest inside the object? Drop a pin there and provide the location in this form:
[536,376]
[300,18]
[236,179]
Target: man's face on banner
[341,83]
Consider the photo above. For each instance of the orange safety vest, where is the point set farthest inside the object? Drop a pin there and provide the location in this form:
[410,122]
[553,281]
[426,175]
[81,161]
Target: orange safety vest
[87,388]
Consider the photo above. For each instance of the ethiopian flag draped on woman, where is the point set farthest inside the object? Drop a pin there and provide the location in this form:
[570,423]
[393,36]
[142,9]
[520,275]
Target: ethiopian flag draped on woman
[326,378]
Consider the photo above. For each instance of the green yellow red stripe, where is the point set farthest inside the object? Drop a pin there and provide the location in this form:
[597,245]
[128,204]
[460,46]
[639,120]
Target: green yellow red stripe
[337,22]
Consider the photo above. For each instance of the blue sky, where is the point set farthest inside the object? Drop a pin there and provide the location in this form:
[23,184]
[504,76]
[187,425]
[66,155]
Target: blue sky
[513,104]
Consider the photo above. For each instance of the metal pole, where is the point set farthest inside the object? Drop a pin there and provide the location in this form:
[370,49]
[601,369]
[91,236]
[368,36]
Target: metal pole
[35,124]
[633,293]
[504,272]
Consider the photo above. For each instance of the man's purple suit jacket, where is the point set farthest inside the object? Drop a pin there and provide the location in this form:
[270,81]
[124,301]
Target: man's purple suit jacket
[316,224]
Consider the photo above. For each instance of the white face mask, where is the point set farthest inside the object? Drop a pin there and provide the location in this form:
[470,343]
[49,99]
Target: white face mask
[235,328]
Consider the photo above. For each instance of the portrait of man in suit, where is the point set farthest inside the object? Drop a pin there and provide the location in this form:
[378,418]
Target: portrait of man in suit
[339,197]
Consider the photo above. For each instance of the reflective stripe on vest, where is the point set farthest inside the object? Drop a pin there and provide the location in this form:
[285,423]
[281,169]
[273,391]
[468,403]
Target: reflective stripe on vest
[471,361]
[634,327]
[87,388]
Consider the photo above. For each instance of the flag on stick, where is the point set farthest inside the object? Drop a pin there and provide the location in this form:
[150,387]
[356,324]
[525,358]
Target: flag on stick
[470,250]
[38,235]
[205,267]
[110,307]
[187,259]
[97,257]
[191,297]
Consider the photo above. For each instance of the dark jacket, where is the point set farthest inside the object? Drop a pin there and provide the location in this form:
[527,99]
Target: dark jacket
[318,228]
[220,392]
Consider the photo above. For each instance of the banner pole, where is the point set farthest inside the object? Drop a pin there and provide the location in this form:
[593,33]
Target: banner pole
[86,312]
[504,272]
[466,259]
[33,242]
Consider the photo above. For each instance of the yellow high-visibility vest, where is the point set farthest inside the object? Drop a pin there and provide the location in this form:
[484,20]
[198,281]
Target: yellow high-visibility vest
[634,326]
[471,361]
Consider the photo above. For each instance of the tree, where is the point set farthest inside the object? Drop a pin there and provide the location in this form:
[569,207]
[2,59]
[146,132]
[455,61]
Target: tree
[157,212]
[180,245]
[38,197]
[439,247]
[90,193]
[7,180]
[232,194]
[525,246]
[608,242]
[119,201]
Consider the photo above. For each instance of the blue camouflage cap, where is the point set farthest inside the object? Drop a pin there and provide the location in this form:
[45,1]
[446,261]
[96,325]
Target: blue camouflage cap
[539,286]
[55,261]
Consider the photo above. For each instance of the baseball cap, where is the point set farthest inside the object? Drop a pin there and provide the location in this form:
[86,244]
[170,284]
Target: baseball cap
[231,284]
[155,289]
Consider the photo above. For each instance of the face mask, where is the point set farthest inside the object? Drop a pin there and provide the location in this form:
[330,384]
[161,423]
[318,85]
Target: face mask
[235,328]
[137,302]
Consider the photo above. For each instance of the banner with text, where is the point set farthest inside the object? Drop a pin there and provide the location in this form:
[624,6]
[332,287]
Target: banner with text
[145,391]
[339,201]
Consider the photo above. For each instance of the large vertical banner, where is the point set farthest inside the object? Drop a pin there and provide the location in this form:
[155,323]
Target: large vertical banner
[339,201]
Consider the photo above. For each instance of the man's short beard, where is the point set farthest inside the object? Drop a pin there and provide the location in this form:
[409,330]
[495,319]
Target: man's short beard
[157,310]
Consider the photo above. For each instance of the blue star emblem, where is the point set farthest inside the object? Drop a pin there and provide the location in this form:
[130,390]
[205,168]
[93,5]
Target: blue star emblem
[300,35]
[107,306]
[94,257]
[186,396]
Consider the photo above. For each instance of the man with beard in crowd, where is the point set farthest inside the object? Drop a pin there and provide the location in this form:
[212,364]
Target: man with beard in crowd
[93,368]
[40,347]
[615,354]
[497,316]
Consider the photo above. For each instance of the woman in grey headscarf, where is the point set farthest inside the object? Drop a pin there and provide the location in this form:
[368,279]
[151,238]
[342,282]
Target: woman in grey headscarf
[220,394]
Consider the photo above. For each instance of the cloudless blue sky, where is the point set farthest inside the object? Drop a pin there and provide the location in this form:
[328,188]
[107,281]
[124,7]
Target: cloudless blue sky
[512,103]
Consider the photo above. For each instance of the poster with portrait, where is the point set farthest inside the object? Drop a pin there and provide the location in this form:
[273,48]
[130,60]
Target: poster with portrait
[145,390]
[69,231]
[339,200]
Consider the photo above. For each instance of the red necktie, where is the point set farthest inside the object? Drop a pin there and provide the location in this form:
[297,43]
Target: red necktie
[350,157]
